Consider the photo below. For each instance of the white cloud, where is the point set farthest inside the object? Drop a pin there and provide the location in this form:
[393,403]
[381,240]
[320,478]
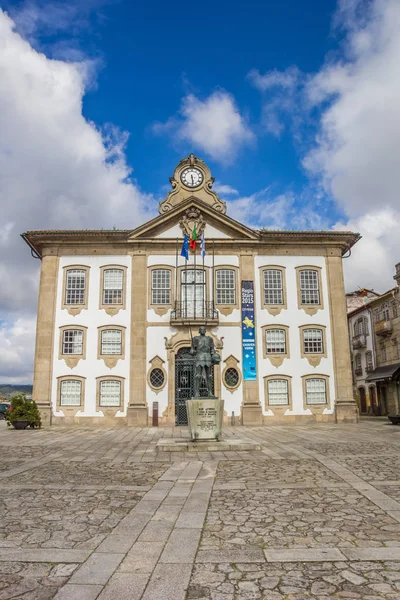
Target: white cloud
[287,79]
[263,209]
[16,343]
[213,125]
[372,259]
[356,155]
[226,190]
[57,170]
[280,96]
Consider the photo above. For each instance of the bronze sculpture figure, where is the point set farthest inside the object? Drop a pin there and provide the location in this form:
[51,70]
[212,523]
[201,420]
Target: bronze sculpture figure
[205,357]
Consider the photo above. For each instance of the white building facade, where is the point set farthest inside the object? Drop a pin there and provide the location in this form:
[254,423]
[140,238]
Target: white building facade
[118,309]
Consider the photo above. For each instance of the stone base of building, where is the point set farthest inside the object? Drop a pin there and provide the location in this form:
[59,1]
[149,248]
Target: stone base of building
[297,419]
[105,421]
[137,416]
[45,414]
[252,415]
[346,412]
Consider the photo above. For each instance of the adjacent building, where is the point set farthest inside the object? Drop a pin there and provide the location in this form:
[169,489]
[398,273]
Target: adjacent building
[117,311]
[385,311]
[362,347]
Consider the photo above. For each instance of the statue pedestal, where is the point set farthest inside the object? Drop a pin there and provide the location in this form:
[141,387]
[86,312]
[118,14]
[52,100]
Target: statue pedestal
[205,418]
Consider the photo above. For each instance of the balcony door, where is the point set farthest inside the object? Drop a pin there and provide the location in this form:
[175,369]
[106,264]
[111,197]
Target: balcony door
[193,293]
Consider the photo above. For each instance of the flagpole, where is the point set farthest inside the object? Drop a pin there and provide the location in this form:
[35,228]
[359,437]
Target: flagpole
[204,276]
[176,276]
[195,282]
[213,276]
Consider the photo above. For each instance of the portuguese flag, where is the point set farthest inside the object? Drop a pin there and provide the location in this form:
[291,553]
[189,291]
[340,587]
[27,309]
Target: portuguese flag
[193,239]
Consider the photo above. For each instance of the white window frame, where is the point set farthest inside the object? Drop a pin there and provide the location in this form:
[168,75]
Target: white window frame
[113,290]
[109,383]
[275,346]
[273,287]
[75,293]
[225,286]
[161,289]
[116,346]
[315,345]
[67,383]
[77,346]
[275,396]
[309,287]
[310,401]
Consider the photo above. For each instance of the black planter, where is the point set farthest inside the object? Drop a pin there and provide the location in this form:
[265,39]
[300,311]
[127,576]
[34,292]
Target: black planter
[20,424]
[395,419]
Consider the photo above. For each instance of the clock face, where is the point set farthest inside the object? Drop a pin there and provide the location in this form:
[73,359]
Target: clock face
[191,177]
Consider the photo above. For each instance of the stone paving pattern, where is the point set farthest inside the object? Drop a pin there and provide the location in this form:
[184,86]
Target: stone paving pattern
[101,513]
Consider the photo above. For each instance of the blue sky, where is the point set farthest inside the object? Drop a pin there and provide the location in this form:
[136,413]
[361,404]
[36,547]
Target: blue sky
[149,56]
[294,105]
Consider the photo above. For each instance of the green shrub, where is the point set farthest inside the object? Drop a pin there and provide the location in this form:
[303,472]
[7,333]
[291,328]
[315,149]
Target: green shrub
[23,409]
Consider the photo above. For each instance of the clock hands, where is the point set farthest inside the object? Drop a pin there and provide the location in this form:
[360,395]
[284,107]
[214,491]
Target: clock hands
[192,179]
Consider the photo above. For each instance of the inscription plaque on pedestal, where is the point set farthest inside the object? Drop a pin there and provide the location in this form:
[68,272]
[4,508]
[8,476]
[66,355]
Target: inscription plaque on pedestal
[205,418]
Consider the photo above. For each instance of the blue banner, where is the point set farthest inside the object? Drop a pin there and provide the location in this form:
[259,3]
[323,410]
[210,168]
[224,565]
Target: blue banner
[248,332]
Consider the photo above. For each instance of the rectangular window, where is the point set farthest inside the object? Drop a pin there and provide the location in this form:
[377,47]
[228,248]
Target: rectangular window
[276,341]
[313,341]
[161,286]
[112,289]
[273,286]
[72,341]
[395,310]
[395,348]
[309,287]
[110,393]
[225,286]
[316,391]
[70,393]
[278,392]
[368,358]
[383,353]
[111,341]
[75,286]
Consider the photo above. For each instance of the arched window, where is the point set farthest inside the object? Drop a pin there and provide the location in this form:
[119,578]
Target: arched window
[358,364]
[385,311]
[361,326]
[369,361]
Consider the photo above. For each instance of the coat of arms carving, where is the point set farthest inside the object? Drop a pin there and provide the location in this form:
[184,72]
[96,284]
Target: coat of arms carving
[192,219]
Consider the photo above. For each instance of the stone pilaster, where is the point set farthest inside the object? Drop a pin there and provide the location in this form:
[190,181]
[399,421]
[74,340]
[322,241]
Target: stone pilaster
[137,409]
[345,405]
[251,413]
[42,378]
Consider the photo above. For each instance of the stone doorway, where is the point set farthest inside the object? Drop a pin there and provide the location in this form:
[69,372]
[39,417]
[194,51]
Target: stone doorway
[363,400]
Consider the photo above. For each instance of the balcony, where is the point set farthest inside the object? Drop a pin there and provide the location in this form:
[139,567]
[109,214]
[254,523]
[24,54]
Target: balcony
[359,341]
[383,327]
[194,313]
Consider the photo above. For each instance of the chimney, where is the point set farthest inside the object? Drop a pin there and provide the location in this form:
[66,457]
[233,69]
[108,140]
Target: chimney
[397,276]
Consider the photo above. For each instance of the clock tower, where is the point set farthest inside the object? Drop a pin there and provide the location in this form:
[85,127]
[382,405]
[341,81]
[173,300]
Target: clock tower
[192,179]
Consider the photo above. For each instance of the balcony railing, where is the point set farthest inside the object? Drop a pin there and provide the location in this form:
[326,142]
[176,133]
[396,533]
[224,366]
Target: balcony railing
[358,371]
[359,341]
[383,327]
[369,368]
[194,312]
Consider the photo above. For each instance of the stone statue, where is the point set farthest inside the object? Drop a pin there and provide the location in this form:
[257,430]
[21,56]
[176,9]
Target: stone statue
[205,357]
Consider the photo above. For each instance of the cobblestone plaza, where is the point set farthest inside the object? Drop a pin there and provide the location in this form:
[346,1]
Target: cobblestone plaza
[101,513]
